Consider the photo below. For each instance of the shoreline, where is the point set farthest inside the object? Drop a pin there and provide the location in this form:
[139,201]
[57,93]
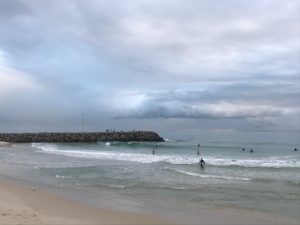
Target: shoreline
[24,204]
[5,143]
[21,204]
[36,200]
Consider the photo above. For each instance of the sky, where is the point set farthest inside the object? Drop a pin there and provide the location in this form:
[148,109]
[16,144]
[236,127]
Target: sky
[162,65]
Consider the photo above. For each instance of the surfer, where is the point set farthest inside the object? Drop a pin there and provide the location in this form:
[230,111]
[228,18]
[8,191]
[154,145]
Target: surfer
[198,150]
[202,163]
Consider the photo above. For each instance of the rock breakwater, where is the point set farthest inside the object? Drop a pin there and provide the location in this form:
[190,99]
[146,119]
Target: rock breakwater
[81,137]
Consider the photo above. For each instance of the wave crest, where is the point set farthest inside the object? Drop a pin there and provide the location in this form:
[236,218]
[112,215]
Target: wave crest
[266,162]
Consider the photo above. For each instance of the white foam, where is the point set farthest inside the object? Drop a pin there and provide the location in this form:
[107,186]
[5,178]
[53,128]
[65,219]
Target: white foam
[60,176]
[168,140]
[118,186]
[211,176]
[271,162]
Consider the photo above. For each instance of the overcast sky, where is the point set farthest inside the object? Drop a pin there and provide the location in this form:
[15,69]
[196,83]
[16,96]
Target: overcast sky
[150,64]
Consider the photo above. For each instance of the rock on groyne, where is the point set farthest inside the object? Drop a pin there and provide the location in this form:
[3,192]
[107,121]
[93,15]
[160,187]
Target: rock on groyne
[81,137]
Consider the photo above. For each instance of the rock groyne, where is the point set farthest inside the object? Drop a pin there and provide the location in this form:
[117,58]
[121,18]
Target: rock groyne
[81,137]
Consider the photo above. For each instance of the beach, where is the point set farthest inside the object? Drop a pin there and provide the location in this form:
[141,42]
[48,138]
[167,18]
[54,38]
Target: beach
[24,204]
[123,183]
[27,205]
[150,112]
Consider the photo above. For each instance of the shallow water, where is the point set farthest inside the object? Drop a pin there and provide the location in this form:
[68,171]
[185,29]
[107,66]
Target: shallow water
[267,179]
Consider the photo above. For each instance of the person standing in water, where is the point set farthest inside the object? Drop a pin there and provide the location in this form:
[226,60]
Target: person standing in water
[153,151]
[202,163]
[198,150]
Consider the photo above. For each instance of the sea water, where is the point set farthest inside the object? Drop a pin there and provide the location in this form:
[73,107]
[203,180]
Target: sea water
[268,179]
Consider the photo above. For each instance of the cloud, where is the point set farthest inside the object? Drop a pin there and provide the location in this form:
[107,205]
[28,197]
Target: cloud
[142,59]
[15,84]
[193,105]
[216,111]
[13,8]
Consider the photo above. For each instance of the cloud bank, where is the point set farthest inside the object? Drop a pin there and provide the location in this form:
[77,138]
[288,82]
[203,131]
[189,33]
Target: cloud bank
[139,60]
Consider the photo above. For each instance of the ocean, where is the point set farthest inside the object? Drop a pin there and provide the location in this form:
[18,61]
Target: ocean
[268,179]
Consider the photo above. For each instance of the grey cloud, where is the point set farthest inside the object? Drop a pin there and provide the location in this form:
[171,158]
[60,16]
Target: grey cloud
[151,38]
[185,56]
[201,112]
[11,8]
[274,92]
[261,105]
[207,105]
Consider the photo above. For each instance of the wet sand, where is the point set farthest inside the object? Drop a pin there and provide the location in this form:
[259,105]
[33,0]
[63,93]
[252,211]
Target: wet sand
[26,205]
[21,204]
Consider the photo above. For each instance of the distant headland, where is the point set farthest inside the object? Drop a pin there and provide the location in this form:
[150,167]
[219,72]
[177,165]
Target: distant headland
[121,136]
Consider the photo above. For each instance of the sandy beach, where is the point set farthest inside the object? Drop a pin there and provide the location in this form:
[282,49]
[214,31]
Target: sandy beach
[21,204]
[149,112]
[26,205]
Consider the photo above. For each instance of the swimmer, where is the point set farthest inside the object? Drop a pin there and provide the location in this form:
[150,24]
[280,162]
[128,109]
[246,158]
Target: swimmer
[202,163]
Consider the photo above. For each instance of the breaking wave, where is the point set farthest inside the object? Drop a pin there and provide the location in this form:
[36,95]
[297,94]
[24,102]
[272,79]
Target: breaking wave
[268,162]
[211,176]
